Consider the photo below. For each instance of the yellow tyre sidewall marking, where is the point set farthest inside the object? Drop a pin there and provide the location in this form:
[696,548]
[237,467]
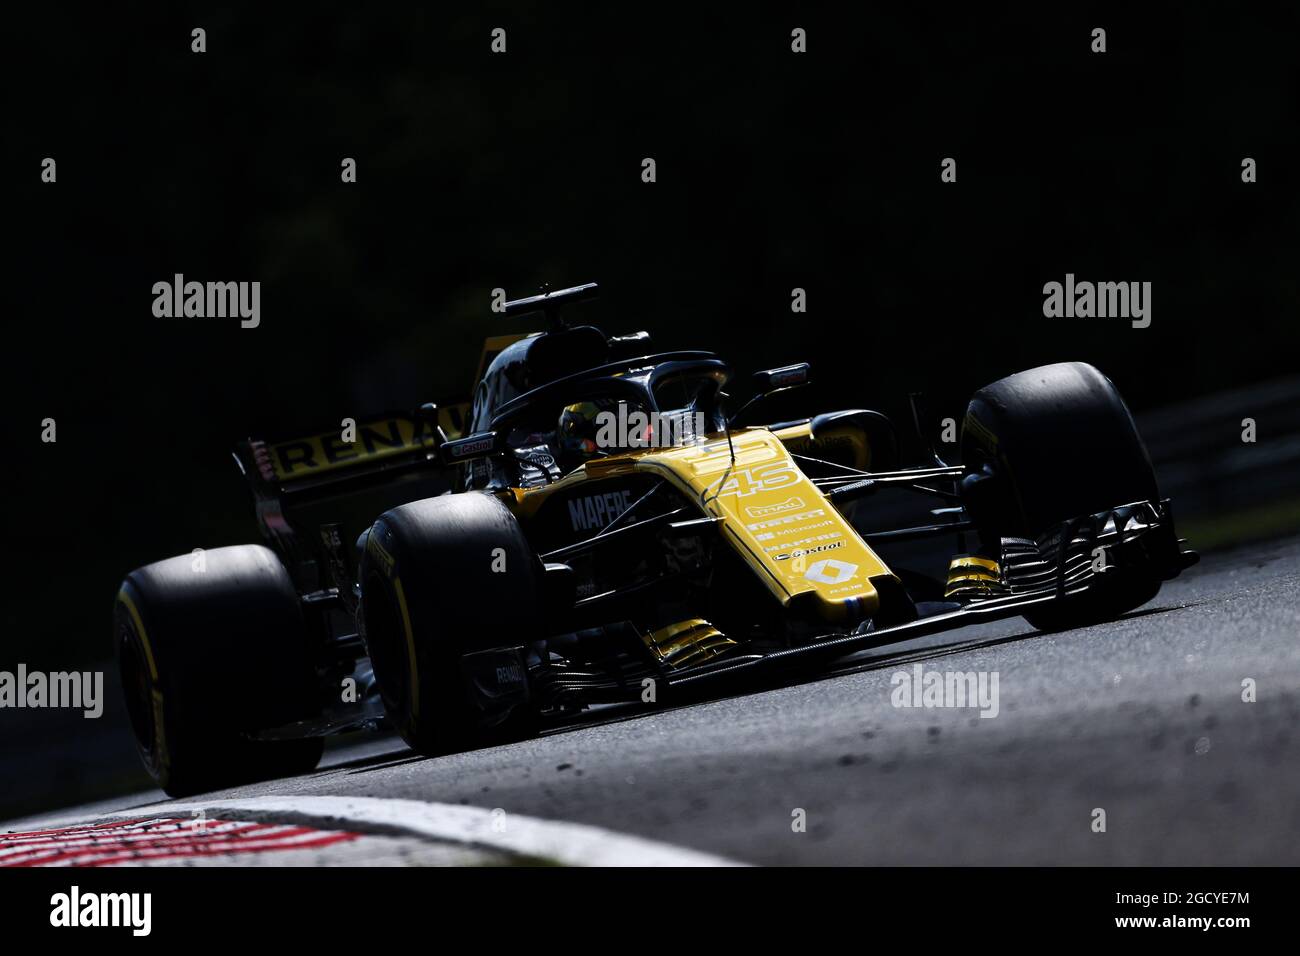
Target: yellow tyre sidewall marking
[410,648]
[155,690]
[389,566]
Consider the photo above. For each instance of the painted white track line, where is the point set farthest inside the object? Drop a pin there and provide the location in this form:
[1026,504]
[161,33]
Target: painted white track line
[573,844]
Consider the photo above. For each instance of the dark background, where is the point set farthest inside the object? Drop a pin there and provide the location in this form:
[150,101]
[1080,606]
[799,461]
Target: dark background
[476,171]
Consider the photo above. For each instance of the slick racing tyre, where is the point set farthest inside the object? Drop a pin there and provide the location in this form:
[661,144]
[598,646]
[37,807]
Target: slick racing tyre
[1048,445]
[212,648]
[442,578]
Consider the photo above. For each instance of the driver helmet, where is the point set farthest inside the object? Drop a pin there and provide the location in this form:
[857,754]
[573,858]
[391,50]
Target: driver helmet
[578,429]
[581,424]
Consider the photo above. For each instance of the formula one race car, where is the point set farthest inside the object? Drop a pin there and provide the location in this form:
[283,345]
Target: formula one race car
[597,527]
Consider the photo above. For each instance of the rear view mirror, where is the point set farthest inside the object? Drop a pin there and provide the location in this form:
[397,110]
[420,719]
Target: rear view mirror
[788,376]
[469,448]
[773,380]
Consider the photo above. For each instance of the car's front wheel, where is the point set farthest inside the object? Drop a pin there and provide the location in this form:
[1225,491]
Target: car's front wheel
[1048,445]
[442,579]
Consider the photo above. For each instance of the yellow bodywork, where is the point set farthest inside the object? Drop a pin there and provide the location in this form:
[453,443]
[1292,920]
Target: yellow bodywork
[687,643]
[778,521]
[973,576]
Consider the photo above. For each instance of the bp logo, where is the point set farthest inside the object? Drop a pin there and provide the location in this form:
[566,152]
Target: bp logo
[830,571]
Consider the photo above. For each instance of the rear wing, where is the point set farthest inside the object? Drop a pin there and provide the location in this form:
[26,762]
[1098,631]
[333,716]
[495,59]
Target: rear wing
[383,445]
[379,447]
[314,494]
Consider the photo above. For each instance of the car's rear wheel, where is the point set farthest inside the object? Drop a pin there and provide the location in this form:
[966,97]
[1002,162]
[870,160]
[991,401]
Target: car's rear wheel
[1049,445]
[443,578]
[212,648]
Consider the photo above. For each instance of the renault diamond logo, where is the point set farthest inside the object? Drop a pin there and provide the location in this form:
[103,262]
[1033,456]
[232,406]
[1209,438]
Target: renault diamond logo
[830,571]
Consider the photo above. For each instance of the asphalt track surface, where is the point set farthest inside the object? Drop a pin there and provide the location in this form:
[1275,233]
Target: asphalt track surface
[1142,718]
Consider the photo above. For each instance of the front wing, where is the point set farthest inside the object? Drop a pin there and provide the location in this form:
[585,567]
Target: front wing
[1078,556]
